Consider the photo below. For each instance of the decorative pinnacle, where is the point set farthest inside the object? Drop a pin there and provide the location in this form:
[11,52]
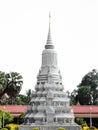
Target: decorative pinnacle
[49,20]
[49,44]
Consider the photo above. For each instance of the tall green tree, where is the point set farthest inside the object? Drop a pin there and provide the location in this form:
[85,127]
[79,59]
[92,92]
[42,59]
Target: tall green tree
[83,96]
[28,94]
[87,92]
[73,97]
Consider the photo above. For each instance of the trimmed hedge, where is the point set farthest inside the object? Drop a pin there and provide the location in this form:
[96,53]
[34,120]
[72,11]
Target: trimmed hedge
[3,129]
[61,128]
[36,128]
[12,127]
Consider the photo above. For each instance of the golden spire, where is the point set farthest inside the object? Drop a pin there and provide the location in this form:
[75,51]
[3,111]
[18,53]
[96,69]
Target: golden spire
[49,20]
[49,44]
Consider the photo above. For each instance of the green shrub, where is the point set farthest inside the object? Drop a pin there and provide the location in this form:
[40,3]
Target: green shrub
[36,128]
[3,129]
[12,126]
[7,117]
[61,128]
[8,127]
[21,117]
[80,121]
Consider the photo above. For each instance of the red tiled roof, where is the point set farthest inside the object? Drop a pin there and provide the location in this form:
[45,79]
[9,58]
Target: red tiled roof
[79,111]
[85,109]
[15,110]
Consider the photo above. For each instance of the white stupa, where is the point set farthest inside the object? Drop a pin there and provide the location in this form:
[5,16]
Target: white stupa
[49,107]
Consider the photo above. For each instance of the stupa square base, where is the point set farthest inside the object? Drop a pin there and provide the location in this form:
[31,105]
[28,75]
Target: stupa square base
[50,127]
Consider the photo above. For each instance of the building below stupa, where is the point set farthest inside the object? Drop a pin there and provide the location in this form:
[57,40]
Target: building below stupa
[49,108]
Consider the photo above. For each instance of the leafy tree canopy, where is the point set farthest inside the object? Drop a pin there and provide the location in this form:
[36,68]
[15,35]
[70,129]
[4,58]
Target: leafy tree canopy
[90,79]
[87,90]
[14,84]
[10,84]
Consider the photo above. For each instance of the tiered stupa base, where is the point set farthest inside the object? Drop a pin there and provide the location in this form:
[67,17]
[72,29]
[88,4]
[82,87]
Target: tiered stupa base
[51,127]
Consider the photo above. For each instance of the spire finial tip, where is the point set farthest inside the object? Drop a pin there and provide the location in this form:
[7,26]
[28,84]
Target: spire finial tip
[49,15]
[49,20]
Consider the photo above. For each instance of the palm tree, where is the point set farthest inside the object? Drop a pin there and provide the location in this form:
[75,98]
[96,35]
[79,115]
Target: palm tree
[3,83]
[14,84]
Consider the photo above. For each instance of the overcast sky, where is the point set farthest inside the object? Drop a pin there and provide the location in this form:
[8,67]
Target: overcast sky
[23,34]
